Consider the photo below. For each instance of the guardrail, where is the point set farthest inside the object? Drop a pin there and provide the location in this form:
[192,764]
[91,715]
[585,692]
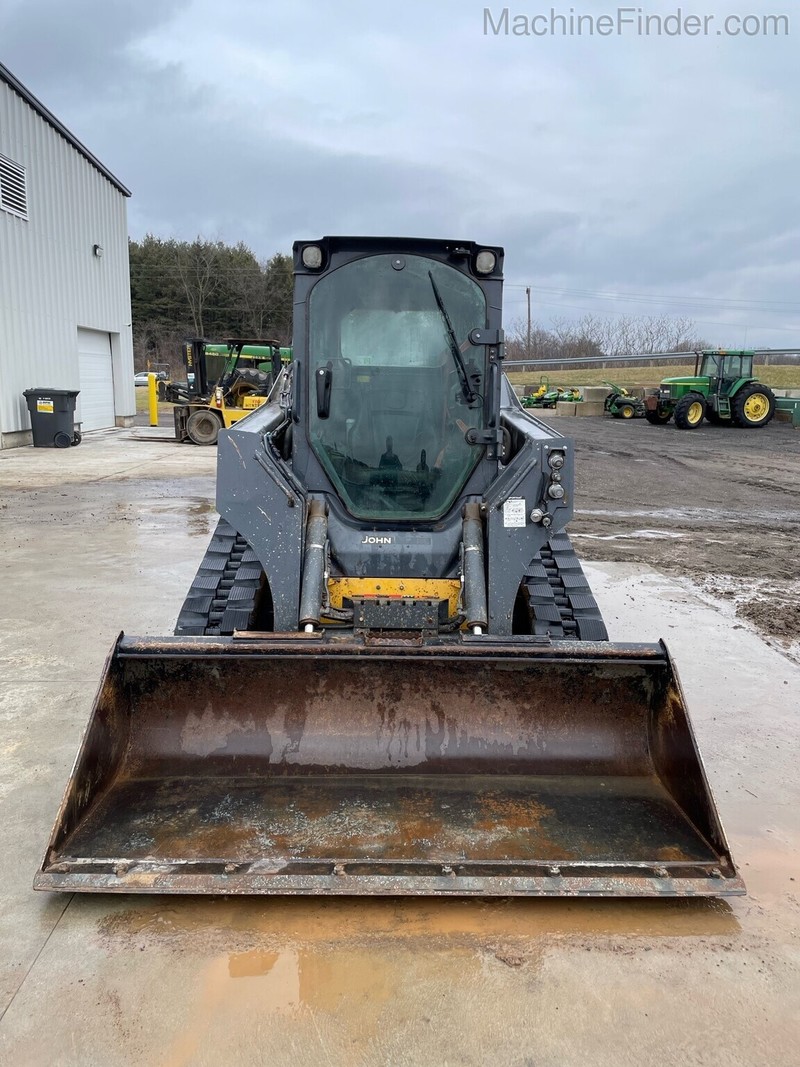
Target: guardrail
[764,357]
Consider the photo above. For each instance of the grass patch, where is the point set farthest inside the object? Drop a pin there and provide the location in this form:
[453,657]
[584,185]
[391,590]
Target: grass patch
[143,403]
[782,377]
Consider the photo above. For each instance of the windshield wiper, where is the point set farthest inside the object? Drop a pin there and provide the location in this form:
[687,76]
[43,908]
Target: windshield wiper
[455,350]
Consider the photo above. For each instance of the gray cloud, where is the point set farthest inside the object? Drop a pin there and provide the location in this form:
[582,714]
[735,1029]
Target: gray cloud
[644,166]
[73,52]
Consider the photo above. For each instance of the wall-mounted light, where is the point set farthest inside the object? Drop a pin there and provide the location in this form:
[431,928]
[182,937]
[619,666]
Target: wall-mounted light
[98,251]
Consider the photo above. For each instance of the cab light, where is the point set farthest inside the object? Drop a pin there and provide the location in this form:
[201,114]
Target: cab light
[485,262]
[312,257]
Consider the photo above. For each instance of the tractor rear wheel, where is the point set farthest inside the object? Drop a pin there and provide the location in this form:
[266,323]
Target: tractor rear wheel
[625,410]
[203,427]
[659,417]
[689,411]
[753,406]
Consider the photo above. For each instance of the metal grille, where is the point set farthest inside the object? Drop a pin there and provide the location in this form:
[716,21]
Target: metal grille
[13,191]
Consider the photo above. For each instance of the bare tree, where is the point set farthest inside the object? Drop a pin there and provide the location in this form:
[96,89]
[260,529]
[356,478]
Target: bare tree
[267,299]
[599,335]
[198,266]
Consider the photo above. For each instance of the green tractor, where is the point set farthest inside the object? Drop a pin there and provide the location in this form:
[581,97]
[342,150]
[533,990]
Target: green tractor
[722,390]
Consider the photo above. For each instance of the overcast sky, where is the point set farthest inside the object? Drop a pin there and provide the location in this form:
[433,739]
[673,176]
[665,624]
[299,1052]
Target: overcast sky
[662,169]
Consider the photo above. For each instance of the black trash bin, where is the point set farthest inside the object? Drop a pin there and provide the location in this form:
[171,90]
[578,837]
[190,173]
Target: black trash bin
[52,414]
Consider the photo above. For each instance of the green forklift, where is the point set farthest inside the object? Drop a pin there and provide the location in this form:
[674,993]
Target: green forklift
[722,390]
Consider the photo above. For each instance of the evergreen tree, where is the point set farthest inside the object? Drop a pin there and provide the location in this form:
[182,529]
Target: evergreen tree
[205,289]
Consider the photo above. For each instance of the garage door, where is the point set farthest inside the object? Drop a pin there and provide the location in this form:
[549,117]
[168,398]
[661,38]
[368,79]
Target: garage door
[96,400]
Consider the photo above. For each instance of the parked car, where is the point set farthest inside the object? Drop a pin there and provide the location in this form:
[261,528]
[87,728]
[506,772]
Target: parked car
[141,377]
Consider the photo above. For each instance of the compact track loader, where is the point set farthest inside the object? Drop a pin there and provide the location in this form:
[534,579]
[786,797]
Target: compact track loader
[390,675]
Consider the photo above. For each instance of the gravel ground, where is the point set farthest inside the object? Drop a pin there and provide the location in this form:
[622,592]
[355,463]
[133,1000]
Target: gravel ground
[717,506]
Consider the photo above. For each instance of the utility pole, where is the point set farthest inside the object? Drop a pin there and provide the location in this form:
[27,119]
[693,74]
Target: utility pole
[528,344]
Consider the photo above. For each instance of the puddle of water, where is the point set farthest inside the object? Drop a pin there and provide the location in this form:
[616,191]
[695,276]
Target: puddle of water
[151,516]
[772,873]
[634,535]
[357,979]
[330,966]
[342,920]
[273,986]
[246,988]
[172,504]
[693,515]
[251,964]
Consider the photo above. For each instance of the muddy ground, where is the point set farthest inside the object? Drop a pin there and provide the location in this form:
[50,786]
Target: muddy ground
[720,507]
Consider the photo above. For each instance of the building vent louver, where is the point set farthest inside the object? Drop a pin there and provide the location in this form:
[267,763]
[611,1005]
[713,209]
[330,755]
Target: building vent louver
[13,192]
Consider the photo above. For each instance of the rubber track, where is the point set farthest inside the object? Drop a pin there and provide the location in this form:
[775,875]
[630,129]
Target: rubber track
[559,596]
[224,594]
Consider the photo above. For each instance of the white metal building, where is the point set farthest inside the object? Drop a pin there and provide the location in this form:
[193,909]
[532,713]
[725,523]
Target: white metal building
[65,304]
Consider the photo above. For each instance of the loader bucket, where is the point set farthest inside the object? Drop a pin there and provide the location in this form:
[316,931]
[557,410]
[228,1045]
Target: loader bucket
[471,766]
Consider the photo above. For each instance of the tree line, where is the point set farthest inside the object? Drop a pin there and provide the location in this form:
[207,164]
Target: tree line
[215,290]
[205,289]
[597,335]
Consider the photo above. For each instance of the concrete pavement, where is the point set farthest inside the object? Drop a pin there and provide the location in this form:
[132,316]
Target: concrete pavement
[106,537]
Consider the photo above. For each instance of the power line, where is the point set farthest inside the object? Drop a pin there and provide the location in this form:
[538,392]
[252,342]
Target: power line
[697,322]
[744,304]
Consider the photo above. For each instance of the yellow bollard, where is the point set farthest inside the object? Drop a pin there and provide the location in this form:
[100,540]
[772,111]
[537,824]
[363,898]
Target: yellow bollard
[152,398]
